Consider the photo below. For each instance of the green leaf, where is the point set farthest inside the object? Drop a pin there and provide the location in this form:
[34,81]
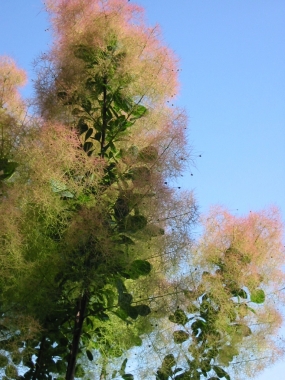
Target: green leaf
[89,153]
[123,239]
[112,146]
[86,105]
[102,316]
[122,103]
[87,146]
[89,355]
[3,361]
[66,194]
[136,341]
[226,354]
[110,297]
[161,376]
[141,175]
[221,373]
[82,126]
[143,310]
[121,208]
[89,322]
[11,371]
[128,376]
[148,154]
[139,268]
[86,53]
[180,336]
[98,136]
[122,314]
[132,312]
[239,293]
[120,286]
[89,133]
[61,189]
[123,367]
[138,111]
[125,300]
[135,223]
[168,361]
[251,309]
[133,151]
[198,325]
[7,168]
[179,317]
[243,330]
[120,121]
[17,357]
[257,296]
[205,364]
[57,186]
[165,370]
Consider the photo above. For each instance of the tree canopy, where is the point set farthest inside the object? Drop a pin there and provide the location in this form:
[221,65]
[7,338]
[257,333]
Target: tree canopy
[98,264]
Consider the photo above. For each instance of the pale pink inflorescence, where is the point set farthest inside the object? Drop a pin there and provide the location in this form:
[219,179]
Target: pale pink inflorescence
[11,77]
[257,236]
[152,66]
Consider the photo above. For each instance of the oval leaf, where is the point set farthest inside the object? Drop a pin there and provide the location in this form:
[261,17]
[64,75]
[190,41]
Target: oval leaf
[3,361]
[89,355]
[143,310]
[82,126]
[132,312]
[179,317]
[87,146]
[128,376]
[88,133]
[257,296]
[148,154]
[220,372]
[168,361]
[135,223]
[139,268]
[123,366]
[180,336]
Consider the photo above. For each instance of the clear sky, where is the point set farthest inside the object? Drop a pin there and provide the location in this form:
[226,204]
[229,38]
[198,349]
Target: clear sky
[232,58]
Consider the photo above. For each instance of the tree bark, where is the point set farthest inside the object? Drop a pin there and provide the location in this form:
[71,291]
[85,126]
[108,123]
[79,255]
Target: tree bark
[79,319]
[38,365]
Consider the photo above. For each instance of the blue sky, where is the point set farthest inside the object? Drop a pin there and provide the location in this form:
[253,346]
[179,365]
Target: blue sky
[232,58]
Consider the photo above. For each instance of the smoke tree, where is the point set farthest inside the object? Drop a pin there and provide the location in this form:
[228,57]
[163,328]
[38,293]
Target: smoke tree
[97,261]
[228,308]
[89,196]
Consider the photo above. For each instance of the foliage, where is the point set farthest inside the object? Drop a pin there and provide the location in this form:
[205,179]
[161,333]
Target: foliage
[93,239]
[221,317]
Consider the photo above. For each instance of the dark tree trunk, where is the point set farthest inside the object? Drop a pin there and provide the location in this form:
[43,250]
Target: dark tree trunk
[80,316]
[39,362]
